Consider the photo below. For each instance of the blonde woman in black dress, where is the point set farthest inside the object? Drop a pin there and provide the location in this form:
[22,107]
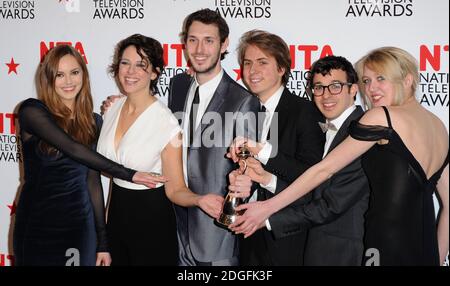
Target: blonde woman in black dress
[405,156]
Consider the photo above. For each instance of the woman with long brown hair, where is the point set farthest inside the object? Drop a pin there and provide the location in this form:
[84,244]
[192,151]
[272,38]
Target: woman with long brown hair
[60,215]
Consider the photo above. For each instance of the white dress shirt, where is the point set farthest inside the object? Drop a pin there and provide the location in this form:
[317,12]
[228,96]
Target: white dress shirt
[206,92]
[337,122]
[264,154]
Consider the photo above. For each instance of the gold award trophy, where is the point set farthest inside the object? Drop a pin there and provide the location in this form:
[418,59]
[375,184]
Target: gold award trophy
[229,213]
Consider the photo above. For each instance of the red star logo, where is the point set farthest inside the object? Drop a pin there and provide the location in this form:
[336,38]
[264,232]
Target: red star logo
[12,208]
[12,66]
[238,72]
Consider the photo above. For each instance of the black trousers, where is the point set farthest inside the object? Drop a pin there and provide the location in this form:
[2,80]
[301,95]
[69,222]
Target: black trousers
[141,227]
[262,249]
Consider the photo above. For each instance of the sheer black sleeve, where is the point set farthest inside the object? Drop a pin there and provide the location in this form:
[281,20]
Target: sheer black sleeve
[369,132]
[98,203]
[36,119]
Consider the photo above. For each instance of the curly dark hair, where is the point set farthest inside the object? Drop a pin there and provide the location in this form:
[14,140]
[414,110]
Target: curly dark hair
[207,17]
[148,48]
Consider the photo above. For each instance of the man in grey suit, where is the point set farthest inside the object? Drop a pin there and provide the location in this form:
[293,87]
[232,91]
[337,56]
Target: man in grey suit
[213,109]
[335,215]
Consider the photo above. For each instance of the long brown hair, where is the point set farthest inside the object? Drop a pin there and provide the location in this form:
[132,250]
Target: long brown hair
[79,122]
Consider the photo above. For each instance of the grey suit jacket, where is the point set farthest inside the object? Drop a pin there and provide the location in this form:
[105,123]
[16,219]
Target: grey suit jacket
[208,168]
[334,217]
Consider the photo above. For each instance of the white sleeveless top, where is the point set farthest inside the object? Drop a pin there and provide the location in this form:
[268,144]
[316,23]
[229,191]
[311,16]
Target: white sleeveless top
[141,146]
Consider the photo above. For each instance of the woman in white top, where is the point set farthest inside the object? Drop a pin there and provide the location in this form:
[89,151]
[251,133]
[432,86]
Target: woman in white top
[140,132]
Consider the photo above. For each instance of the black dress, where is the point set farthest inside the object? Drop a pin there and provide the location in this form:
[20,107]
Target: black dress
[400,222]
[60,213]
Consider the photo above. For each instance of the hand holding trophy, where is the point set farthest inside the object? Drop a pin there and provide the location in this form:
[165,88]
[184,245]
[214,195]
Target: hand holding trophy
[229,213]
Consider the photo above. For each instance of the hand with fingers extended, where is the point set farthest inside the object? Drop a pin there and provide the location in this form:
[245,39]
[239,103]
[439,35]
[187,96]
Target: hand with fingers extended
[240,185]
[106,104]
[254,218]
[150,180]
[211,204]
[238,142]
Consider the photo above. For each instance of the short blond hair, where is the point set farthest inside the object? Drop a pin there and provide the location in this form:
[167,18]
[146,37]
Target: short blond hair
[395,65]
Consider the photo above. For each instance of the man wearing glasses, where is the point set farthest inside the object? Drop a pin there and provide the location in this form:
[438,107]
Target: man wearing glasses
[335,216]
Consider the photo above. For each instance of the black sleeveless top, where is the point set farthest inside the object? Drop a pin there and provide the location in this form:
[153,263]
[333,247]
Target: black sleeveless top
[400,222]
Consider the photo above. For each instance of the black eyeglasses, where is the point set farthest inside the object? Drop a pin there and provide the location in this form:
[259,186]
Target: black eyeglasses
[334,88]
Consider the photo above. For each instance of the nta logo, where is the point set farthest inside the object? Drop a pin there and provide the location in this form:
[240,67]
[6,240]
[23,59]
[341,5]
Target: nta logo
[44,48]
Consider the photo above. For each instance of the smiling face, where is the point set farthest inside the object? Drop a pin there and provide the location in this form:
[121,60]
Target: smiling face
[377,88]
[331,105]
[69,80]
[260,73]
[135,73]
[204,48]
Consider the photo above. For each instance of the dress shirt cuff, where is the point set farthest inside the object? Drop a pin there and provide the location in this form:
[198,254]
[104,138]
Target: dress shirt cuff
[272,185]
[264,155]
[269,228]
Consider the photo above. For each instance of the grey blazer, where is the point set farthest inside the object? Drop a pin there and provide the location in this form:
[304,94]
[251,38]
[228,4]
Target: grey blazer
[201,238]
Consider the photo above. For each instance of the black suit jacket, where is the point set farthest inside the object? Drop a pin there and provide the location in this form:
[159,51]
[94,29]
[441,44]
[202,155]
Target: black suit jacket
[179,88]
[296,146]
[334,217]
[207,167]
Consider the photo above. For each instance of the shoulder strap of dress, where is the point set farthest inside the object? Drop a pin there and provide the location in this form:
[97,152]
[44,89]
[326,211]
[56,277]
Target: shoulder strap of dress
[444,164]
[437,175]
[388,117]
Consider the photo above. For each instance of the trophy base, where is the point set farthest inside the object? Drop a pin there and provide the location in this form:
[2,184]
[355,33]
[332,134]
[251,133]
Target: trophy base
[226,219]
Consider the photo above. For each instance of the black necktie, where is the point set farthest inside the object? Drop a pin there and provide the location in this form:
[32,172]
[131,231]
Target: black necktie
[193,116]
[261,117]
[266,115]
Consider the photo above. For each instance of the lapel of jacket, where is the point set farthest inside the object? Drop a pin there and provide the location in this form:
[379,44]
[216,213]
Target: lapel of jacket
[218,97]
[282,110]
[214,105]
[343,131]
